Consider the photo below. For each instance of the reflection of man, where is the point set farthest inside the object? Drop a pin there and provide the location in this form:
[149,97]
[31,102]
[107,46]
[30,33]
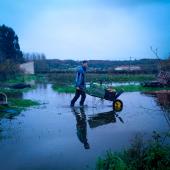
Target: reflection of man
[81,127]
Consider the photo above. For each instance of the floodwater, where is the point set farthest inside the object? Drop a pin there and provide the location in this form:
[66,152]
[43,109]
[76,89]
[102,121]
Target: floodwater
[53,136]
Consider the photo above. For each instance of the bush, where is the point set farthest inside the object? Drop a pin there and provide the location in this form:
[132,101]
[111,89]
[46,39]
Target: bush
[152,155]
[111,162]
[8,70]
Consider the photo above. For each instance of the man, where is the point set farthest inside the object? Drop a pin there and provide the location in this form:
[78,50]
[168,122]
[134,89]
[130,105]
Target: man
[80,84]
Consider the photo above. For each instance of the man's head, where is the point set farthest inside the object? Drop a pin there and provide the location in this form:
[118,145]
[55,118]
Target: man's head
[85,63]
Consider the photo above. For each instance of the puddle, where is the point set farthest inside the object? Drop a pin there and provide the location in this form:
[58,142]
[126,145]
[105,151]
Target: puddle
[54,136]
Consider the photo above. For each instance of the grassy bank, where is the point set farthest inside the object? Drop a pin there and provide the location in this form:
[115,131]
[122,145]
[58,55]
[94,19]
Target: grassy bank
[149,155]
[92,77]
[22,103]
[139,88]
[126,88]
[15,106]
[26,79]
[63,89]
[19,104]
[21,79]
[120,77]
[15,97]
[62,80]
[15,101]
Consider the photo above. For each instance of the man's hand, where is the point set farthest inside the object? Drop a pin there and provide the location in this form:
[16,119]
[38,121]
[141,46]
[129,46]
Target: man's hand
[77,88]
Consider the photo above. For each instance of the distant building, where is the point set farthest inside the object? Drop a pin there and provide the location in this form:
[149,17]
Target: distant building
[128,68]
[28,68]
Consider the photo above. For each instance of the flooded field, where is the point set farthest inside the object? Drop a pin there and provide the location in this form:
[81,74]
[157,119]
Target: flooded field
[55,136]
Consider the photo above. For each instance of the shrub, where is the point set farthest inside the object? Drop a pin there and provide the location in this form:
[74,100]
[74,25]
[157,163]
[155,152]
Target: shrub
[151,155]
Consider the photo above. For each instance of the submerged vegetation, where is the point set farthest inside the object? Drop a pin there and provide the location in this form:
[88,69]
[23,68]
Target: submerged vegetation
[16,103]
[15,106]
[22,103]
[151,155]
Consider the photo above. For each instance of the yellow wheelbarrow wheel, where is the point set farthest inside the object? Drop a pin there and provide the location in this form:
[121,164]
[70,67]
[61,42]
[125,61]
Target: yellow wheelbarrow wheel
[118,105]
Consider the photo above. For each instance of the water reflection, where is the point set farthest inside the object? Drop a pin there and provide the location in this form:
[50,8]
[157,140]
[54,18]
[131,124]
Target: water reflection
[94,121]
[162,98]
[42,86]
[81,126]
[104,118]
[92,127]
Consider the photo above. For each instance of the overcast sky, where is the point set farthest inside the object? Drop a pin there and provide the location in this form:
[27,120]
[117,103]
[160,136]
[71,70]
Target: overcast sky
[90,29]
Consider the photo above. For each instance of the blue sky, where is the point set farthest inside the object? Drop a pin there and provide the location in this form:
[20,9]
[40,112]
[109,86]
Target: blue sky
[90,29]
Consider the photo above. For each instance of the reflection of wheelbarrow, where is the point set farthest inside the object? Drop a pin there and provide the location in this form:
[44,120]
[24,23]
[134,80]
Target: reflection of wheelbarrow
[103,119]
[99,91]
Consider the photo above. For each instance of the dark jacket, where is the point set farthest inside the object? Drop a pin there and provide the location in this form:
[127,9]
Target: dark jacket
[80,77]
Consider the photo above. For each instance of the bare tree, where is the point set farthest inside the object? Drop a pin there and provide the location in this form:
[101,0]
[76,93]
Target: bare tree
[155,52]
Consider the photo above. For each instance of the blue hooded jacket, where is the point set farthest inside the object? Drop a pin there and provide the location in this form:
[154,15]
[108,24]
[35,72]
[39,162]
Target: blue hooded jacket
[80,77]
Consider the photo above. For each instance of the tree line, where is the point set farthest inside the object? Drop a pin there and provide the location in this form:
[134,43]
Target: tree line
[11,55]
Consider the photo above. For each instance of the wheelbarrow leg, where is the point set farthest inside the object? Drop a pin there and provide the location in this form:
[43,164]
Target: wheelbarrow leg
[118,94]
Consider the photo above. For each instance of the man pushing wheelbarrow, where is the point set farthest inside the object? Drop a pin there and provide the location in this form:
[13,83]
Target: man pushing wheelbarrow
[95,89]
[80,84]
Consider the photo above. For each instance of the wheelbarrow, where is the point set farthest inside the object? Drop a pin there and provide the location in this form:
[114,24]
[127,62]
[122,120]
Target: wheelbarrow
[102,92]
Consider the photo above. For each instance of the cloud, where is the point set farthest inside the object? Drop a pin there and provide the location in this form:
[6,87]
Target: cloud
[93,29]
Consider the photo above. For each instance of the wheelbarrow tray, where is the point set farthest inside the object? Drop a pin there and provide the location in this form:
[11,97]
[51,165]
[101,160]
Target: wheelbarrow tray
[102,93]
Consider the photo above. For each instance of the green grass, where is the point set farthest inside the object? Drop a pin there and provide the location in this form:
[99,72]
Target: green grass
[120,77]
[148,155]
[26,79]
[18,79]
[22,103]
[139,88]
[64,89]
[13,91]
[126,88]
[19,104]
[15,106]
[21,79]
[68,78]
[15,102]
[15,95]
[92,77]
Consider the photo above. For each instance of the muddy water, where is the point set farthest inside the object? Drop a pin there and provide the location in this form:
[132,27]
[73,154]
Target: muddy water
[54,136]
